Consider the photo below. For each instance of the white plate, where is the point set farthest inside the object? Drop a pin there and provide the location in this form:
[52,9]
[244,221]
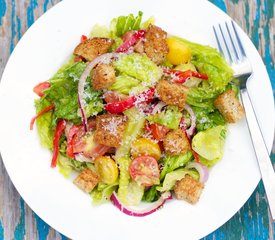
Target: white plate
[43,49]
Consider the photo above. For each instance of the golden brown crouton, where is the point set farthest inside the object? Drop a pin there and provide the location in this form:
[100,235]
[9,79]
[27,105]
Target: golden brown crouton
[229,106]
[155,45]
[110,129]
[188,189]
[87,180]
[176,142]
[103,76]
[172,93]
[93,47]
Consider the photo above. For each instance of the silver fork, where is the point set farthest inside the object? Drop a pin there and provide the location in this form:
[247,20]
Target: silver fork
[230,45]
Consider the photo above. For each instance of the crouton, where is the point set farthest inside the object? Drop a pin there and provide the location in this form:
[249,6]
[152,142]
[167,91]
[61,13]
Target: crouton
[110,129]
[93,47]
[176,142]
[103,76]
[155,45]
[188,189]
[172,93]
[229,106]
[87,180]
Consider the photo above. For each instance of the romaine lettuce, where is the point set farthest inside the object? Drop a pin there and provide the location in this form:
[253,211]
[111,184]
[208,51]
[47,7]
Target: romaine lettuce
[210,143]
[124,84]
[170,163]
[139,67]
[63,94]
[209,61]
[206,119]
[170,117]
[172,177]
[102,193]
[123,24]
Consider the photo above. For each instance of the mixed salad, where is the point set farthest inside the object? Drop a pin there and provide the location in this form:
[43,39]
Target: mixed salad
[140,115]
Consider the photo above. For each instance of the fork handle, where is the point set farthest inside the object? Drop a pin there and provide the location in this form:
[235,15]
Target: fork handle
[264,161]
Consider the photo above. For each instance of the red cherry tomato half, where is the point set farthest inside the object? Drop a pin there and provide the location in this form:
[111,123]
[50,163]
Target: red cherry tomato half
[145,171]
[40,87]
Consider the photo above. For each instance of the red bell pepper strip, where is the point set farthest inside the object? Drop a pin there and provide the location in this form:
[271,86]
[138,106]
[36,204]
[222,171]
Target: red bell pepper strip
[58,131]
[181,77]
[46,109]
[131,41]
[40,87]
[121,106]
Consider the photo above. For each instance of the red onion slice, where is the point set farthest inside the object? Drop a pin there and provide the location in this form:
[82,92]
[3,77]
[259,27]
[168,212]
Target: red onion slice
[202,169]
[104,58]
[157,107]
[190,131]
[141,213]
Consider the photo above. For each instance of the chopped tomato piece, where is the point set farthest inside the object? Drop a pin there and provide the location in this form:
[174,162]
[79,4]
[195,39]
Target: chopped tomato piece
[112,96]
[81,142]
[40,87]
[145,171]
[83,38]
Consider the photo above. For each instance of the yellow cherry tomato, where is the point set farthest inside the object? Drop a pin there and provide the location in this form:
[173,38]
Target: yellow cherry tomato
[107,169]
[178,52]
[145,146]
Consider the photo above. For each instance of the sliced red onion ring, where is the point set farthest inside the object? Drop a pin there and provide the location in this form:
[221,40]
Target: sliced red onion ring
[157,107]
[104,58]
[141,213]
[202,169]
[190,131]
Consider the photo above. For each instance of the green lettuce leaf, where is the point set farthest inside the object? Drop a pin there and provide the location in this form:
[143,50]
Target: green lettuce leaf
[151,194]
[170,117]
[209,144]
[172,177]
[207,119]
[66,165]
[209,61]
[44,124]
[102,193]
[170,163]
[124,84]
[63,94]
[139,67]
[123,24]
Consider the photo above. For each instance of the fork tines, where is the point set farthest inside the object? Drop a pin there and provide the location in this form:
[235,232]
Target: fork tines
[229,42]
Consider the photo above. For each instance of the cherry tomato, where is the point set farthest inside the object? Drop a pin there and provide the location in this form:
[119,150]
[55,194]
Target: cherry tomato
[107,169]
[40,87]
[145,146]
[145,171]
[81,142]
[112,96]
